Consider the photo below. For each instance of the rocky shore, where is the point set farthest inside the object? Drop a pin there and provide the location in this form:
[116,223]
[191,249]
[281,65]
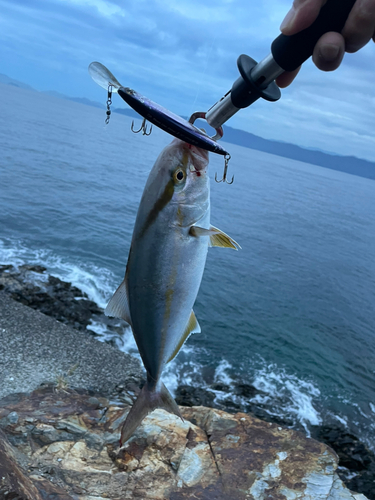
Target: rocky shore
[63,443]
[66,366]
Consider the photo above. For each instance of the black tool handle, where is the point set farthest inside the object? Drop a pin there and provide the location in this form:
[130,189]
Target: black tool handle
[290,52]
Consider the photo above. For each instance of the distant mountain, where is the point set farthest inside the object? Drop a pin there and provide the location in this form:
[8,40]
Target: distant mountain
[88,102]
[349,164]
[81,100]
[11,81]
[127,111]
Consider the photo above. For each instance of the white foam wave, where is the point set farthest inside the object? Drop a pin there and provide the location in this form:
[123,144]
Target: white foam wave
[222,373]
[360,411]
[293,395]
[184,369]
[97,283]
[343,421]
[124,342]
[281,394]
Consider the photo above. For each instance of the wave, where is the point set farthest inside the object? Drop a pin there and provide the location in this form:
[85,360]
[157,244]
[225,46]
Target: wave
[278,393]
[96,282]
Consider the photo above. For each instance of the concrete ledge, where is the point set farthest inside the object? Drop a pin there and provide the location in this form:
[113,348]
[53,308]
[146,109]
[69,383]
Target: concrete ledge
[35,349]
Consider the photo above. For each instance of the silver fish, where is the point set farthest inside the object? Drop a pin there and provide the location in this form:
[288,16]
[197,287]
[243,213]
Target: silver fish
[165,266]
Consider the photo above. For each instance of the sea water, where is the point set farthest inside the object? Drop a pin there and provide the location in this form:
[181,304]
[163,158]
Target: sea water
[292,313]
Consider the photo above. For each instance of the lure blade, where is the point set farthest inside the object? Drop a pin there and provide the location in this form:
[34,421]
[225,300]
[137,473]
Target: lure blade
[103,77]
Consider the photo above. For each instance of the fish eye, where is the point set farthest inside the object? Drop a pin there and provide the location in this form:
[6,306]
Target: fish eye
[179,175]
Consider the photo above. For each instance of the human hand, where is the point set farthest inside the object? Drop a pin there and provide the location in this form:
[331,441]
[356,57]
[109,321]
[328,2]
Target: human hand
[330,48]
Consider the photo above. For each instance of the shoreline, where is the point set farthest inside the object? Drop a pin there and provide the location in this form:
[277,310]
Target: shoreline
[31,286]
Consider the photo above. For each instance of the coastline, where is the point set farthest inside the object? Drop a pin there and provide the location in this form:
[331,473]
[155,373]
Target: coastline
[56,349]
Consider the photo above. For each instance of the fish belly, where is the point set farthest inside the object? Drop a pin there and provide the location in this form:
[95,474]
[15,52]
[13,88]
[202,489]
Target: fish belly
[164,273]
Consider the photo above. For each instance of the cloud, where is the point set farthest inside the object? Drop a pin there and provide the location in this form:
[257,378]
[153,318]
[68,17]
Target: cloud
[183,54]
[104,8]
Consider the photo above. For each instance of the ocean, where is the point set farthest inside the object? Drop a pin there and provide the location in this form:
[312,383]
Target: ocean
[292,313]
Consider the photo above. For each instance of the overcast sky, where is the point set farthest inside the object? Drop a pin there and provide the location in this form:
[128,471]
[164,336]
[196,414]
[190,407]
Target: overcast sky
[182,54]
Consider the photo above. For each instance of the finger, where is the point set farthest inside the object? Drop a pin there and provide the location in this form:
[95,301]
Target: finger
[329,51]
[360,25]
[301,15]
[286,78]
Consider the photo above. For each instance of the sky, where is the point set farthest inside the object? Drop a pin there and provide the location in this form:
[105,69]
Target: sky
[182,54]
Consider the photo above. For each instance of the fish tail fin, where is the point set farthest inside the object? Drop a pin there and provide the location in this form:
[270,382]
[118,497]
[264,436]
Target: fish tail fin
[152,396]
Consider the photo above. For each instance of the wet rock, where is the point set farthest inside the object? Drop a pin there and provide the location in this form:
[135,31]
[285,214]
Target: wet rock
[218,386]
[357,463]
[352,454]
[227,404]
[246,391]
[194,396]
[187,395]
[32,287]
[363,481]
[68,440]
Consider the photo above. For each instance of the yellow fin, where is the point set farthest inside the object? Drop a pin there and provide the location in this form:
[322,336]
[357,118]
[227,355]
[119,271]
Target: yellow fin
[200,231]
[118,306]
[191,327]
[220,239]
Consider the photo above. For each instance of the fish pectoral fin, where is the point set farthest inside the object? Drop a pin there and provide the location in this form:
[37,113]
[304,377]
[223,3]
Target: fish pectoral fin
[118,306]
[221,239]
[200,231]
[217,237]
[191,327]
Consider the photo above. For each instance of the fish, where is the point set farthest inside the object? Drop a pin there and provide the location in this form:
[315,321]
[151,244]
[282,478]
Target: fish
[167,256]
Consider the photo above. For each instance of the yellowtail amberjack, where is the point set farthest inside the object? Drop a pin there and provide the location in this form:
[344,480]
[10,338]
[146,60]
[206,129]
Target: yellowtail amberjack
[165,266]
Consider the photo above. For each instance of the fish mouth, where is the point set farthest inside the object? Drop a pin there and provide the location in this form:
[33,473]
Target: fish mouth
[196,171]
[198,159]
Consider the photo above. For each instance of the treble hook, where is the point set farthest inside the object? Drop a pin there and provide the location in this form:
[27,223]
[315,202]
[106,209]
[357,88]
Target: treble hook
[142,129]
[145,129]
[224,179]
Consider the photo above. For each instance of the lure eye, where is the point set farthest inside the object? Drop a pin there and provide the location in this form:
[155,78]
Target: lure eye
[179,176]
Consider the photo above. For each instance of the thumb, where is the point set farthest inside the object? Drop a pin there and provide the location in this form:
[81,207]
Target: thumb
[302,14]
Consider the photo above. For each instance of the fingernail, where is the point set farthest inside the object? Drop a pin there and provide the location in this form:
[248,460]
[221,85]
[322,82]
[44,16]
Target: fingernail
[288,20]
[329,52]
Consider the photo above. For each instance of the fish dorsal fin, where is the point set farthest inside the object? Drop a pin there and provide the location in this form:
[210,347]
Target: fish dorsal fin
[217,237]
[191,327]
[118,306]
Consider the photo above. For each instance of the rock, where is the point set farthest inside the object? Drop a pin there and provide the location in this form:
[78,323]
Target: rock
[48,294]
[69,440]
[353,457]
[218,386]
[31,286]
[14,479]
[353,454]
[187,395]
[246,390]
[363,481]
